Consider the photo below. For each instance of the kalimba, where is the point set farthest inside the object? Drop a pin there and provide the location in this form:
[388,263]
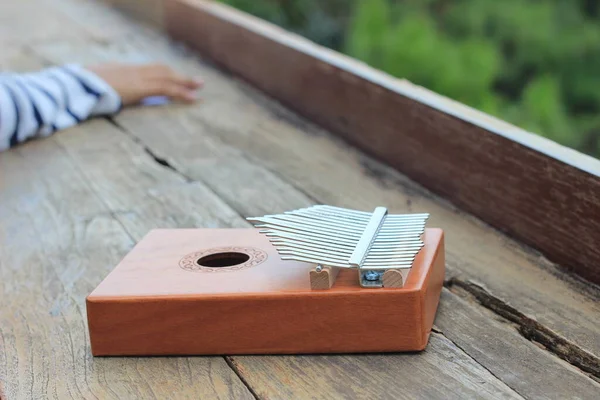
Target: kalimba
[381,247]
[316,280]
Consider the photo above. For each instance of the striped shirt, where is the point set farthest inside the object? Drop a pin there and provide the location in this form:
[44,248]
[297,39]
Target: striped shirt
[41,103]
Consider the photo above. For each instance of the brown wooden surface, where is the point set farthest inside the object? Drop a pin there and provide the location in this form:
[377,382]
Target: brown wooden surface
[539,192]
[148,297]
[74,204]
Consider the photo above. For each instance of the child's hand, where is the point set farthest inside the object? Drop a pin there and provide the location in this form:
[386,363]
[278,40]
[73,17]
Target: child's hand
[136,82]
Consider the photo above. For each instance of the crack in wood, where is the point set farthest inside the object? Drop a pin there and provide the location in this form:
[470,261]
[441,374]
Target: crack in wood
[162,161]
[480,364]
[529,328]
[238,370]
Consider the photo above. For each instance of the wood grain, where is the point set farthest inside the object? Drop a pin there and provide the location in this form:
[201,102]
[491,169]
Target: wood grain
[393,279]
[539,192]
[498,347]
[438,372]
[48,268]
[323,279]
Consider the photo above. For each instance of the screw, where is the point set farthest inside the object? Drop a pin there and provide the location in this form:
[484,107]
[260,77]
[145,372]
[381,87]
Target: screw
[372,275]
[319,268]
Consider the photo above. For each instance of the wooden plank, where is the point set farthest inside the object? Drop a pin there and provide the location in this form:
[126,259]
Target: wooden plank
[437,373]
[498,346]
[48,265]
[25,22]
[546,195]
[105,24]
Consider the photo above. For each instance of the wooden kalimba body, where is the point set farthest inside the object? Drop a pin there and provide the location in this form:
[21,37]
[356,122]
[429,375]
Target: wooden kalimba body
[317,280]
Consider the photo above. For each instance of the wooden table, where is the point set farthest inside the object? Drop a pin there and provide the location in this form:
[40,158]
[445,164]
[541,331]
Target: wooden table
[511,324]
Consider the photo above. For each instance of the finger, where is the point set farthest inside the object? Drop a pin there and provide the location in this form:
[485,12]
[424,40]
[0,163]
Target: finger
[162,72]
[178,92]
[189,82]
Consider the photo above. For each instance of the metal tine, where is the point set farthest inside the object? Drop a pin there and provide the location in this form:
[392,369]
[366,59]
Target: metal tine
[319,223]
[313,261]
[395,250]
[408,236]
[404,221]
[400,227]
[393,253]
[402,230]
[390,244]
[324,228]
[399,219]
[408,231]
[387,265]
[321,245]
[302,246]
[411,253]
[290,238]
[330,214]
[397,238]
[384,268]
[304,225]
[332,219]
[385,241]
[327,256]
[324,257]
[384,261]
[368,214]
[409,215]
[390,265]
[342,212]
[399,235]
[386,252]
[346,211]
[391,219]
[387,261]
[320,258]
[401,224]
[308,235]
[316,240]
[395,225]
[397,244]
[302,228]
[326,208]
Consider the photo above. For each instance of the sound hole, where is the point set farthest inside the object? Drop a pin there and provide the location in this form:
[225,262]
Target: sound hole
[220,260]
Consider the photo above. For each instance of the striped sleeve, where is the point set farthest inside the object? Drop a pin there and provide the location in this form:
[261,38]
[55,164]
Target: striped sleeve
[41,103]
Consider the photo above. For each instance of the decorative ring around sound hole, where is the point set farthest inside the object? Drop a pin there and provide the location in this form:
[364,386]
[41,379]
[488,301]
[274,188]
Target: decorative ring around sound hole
[223,259]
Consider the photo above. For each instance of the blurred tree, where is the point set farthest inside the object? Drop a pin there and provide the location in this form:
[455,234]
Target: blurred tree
[533,63]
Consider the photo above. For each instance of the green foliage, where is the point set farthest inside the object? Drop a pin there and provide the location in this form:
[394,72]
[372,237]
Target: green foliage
[533,63]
